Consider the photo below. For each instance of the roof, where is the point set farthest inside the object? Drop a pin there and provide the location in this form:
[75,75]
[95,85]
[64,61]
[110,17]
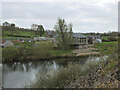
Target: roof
[8,43]
[41,38]
[51,32]
[78,35]
[96,36]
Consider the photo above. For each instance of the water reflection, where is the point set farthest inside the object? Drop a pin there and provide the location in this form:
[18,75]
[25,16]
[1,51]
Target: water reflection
[17,74]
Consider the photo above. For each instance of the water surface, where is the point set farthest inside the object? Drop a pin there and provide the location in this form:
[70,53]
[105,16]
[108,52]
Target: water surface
[17,74]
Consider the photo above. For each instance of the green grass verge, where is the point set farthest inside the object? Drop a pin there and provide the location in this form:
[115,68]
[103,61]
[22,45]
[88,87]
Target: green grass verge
[107,47]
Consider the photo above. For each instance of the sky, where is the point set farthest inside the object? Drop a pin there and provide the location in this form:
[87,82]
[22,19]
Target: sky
[85,15]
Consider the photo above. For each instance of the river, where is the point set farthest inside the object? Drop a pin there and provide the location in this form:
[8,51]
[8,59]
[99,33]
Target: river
[17,74]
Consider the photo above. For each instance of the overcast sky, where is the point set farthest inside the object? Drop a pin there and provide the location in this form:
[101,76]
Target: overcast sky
[85,15]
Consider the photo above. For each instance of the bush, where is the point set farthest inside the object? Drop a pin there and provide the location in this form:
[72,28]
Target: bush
[27,52]
[9,54]
[62,77]
[112,38]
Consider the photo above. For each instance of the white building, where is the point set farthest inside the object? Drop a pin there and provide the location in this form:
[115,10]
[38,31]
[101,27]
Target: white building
[97,41]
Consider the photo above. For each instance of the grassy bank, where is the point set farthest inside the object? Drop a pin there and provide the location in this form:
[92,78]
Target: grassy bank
[45,50]
[106,48]
[105,75]
[33,51]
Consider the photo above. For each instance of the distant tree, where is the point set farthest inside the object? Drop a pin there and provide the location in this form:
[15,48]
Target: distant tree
[97,33]
[6,24]
[12,25]
[40,30]
[112,38]
[63,33]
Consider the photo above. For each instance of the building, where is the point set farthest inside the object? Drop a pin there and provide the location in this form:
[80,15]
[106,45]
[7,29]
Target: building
[7,43]
[79,41]
[80,38]
[50,34]
[95,39]
[34,27]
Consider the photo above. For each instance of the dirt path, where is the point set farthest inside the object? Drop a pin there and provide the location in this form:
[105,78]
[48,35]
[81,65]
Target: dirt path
[86,51]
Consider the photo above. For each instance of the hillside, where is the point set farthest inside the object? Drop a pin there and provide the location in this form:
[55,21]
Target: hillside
[9,32]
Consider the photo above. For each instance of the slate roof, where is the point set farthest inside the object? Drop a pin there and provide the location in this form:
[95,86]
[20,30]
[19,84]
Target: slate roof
[8,43]
[51,32]
[78,35]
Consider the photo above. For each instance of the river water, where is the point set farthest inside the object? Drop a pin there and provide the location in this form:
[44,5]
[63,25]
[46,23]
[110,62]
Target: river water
[17,74]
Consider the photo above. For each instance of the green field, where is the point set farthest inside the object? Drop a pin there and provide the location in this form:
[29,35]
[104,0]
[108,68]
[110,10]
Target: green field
[16,34]
[107,47]
[105,37]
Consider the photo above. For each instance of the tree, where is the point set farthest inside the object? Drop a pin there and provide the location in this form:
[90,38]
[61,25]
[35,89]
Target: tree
[6,24]
[12,25]
[63,33]
[40,30]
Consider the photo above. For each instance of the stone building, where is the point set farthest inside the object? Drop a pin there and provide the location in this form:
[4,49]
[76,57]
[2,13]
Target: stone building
[79,41]
[8,43]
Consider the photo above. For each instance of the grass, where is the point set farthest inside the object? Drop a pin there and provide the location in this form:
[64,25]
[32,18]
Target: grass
[7,33]
[106,48]
[33,51]
[105,37]
[19,34]
[113,62]
[46,45]
[11,37]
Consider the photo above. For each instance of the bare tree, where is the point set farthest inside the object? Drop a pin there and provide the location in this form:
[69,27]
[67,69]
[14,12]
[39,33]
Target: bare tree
[63,33]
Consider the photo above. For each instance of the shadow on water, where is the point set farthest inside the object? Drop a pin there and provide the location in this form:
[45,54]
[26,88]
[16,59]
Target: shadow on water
[19,74]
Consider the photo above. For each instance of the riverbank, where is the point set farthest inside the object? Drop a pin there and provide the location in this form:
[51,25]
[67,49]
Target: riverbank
[93,74]
[102,73]
[32,51]
[73,74]
[64,75]
[106,75]
[41,50]
[44,50]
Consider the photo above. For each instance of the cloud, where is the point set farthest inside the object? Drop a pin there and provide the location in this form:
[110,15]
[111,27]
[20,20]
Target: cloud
[85,15]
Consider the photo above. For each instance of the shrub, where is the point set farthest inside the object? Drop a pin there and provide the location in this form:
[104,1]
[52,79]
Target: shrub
[9,54]
[27,51]
[112,38]
[63,76]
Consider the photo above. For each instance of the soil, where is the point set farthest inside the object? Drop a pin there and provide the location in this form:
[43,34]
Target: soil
[86,51]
